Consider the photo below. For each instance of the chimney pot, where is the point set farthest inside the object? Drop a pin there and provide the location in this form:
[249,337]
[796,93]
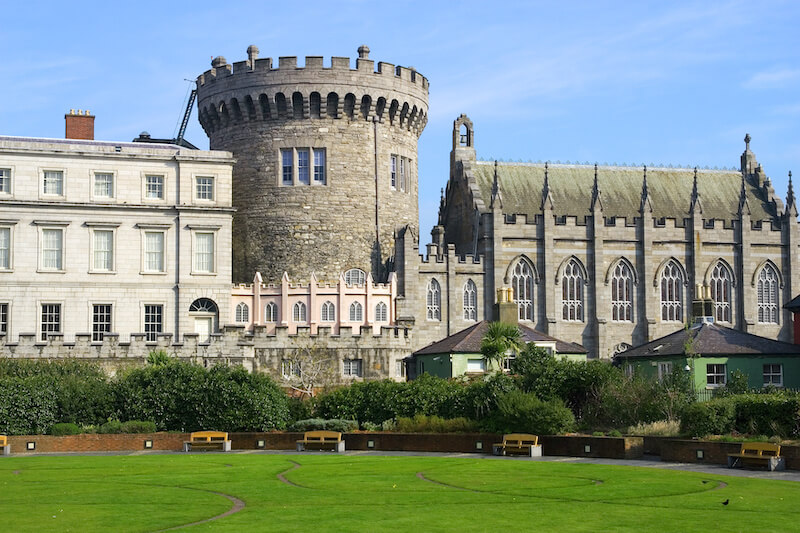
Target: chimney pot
[79,125]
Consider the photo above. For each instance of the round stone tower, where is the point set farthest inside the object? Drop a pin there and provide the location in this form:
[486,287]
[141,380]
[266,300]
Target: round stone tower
[326,160]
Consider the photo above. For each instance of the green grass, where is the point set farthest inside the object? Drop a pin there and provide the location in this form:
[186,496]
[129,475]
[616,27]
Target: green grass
[371,493]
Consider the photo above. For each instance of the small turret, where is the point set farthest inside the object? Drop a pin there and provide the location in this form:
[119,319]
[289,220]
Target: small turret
[791,205]
[749,163]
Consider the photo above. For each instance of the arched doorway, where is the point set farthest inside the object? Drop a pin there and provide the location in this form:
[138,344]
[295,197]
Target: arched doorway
[205,314]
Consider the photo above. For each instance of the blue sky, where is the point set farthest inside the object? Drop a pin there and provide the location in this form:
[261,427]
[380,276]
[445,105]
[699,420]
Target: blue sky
[635,82]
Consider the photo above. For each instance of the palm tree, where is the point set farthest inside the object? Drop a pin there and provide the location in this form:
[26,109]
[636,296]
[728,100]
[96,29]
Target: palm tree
[500,338]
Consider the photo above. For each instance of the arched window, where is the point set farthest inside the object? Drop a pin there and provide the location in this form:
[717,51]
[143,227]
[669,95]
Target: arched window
[721,284]
[572,292]
[328,312]
[672,293]
[356,312]
[768,295]
[242,313]
[299,312]
[522,285]
[470,301]
[434,300]
[203,305]
[381,314]
[622,293]
[355,276]
[271,312]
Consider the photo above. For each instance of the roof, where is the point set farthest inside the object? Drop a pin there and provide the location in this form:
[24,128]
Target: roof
[469,341]
[670,190]
[794,304]
[710,340]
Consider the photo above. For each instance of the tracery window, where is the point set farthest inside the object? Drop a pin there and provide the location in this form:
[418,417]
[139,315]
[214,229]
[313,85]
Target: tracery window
[434,300]
[355,276]
[622,293]
[572,292]
[768,295]
[470,301]
[522,285]
[299,312]
[328,312]
[721,283]
[356,312]
[381,312]
[271,312]
[242,312]
[672,293]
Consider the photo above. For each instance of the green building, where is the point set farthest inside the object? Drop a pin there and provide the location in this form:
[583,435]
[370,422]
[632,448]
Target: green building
[460,353]
[711,352]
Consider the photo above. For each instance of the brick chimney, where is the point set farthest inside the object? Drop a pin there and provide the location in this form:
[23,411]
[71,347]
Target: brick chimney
[80,125]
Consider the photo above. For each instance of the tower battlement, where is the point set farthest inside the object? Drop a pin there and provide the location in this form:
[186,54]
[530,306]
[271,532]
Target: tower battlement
[255,90]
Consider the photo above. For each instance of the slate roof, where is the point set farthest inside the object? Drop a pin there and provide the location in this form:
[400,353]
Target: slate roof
[794,304]
[670,190]
[711,340]
[469,341]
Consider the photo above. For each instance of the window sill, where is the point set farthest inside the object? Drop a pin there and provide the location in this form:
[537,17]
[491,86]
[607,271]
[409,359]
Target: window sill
[43,271]
[102,272]
[150,273]
[203,273]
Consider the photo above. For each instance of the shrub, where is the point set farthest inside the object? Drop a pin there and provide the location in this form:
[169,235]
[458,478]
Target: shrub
[138,426]
[158,358]
[767,414]
[65,428]
[708,418]
[435,424]
[27,404]
[525,413]
[111,426]
[660,428]
[299,409]
[313,424]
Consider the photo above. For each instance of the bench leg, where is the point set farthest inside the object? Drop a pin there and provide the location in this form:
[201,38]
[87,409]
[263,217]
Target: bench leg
[776,463]
[300,447]
[7,449]
[226,446]
[536,451]
[733,462]
[497,450]
[187,447]
[340,446]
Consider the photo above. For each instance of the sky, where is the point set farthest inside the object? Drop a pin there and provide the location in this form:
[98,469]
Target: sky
[653,83]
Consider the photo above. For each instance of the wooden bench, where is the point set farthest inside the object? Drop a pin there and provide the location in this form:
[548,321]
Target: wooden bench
[758,453]
[4,446]
[518,444]
[207,440]
[321,440]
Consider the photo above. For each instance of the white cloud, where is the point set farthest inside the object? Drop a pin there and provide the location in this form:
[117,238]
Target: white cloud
[772,79]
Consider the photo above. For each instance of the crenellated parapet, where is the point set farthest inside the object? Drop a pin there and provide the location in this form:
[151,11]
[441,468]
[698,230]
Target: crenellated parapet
[258,90]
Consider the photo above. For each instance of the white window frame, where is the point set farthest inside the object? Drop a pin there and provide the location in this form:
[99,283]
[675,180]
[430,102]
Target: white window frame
[353,368]
[722,292]
[163,230]
[470,301]
[355,277]
[303,156]
[8,225]
[196,265]
[290,369]
[393,172]
[715,374]
[476,366]
[769,373]
[622,293]
[671,289]
[41,333]
[300,313]
[381,312]
[312,170]
[145,189]
[5,319]
[6,181]
[242,313]
[270,316]
[328,312]
[523,286]
[205,193]
[433,301]
[93,230]
[43,188]
[767,291]
[152,336]
[400,368]
[664,369]
[98,333]
[101,197]
[46,227]
[356,312]
[572,294]
[319,172]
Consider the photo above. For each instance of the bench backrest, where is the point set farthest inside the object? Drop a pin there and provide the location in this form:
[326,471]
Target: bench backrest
[322,434]
[761,448]
[520,439]
[3,440]
[207,436]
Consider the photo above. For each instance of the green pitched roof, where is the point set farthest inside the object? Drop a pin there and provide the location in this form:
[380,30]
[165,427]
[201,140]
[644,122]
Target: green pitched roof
[670,190]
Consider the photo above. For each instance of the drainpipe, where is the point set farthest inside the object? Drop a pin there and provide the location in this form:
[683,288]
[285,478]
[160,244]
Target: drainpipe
[377,217]
[177,290]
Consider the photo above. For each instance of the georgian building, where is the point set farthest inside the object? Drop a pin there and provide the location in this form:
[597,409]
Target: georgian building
[112,239]
[605,256]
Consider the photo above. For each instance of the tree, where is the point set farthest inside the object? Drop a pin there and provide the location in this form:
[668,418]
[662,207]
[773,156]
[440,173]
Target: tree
[309,367]
[500,339]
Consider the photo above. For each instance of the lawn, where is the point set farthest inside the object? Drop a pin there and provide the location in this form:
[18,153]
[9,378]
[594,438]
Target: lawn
[372,493]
